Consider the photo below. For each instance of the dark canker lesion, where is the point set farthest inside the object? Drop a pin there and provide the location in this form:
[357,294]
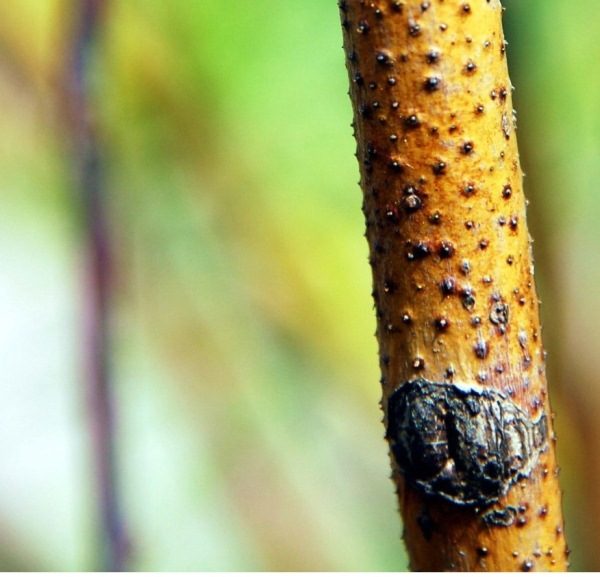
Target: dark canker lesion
[461,443]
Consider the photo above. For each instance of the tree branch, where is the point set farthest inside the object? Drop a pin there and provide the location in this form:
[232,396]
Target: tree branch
[89,177]
[463,367]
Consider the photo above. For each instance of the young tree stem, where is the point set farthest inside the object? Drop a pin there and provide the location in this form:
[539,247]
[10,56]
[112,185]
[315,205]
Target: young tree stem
[463,367]
[89,178]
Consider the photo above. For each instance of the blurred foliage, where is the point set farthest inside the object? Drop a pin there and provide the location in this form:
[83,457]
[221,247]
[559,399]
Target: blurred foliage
[246,373]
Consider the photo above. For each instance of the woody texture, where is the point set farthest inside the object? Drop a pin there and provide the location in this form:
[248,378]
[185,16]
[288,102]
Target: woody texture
[465,402]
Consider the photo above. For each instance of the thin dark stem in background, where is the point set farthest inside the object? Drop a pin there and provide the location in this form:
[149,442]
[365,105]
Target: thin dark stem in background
[89,178]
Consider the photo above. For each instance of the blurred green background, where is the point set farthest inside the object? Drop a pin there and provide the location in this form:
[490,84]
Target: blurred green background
[244,362]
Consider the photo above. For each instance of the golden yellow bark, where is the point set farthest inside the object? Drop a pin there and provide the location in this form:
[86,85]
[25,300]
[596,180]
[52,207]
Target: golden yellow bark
[452,267]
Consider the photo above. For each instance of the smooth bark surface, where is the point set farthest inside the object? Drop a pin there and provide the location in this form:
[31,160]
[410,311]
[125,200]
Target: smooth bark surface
[457,310]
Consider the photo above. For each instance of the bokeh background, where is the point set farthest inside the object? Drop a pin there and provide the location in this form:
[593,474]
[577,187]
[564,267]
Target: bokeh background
[243,359]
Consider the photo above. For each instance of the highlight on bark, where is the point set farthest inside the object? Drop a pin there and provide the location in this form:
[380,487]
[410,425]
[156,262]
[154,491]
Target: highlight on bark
[465,399]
